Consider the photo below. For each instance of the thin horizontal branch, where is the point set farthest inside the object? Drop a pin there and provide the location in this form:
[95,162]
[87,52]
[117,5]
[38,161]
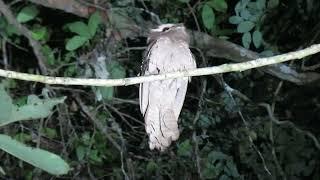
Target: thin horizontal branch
[193,72]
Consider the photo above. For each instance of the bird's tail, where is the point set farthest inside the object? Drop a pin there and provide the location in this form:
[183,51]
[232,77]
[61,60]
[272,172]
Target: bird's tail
[162,127]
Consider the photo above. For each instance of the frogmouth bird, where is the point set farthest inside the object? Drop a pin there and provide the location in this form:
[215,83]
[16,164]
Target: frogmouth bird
[161,101]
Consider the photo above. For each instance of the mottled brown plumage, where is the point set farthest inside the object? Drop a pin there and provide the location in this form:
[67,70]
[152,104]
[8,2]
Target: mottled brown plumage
[161,101]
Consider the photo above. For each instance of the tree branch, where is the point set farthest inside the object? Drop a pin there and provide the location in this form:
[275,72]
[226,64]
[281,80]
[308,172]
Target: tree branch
[193,72]
[70,6]
[212,46]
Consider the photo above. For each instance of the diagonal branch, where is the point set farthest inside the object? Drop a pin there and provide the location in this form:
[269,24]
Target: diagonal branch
[193,72]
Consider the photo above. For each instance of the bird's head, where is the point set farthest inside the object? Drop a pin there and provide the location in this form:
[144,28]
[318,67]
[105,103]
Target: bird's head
[172,31]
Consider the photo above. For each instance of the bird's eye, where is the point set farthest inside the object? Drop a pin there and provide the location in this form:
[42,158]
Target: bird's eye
[165,29]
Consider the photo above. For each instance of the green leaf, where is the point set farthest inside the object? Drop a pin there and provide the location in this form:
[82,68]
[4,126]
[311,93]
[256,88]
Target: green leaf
[94,156]
[6,106]
[116,70]
[39,33]
[185,148]
[151,166]
[105,93]
[75,42]
[214,164]
[27,14]
[235,20]
[81,152]
[231,168]
[257,38]
[204,121]
[94,21]
[23,137]
[218,5]
[70,71]
[48,52]
[246,39]
[254,18]
[34,109]
[208,17]
[261,4]
[238,7]
[49,132]
[42,159]
[80,28]
[245,14]
[245,26]
[273,4]
[11,30]
[86,138]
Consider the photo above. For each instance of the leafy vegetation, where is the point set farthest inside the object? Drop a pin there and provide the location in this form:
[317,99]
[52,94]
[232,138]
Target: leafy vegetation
[84,32]
[34,109]
[227,130]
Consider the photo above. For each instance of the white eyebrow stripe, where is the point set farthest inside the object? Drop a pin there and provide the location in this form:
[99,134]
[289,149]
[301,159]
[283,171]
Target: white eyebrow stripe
[161,27]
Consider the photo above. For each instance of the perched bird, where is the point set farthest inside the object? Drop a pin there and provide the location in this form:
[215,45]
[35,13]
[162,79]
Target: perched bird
[161,101]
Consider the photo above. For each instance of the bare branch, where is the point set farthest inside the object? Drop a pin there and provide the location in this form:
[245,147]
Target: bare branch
[193,72]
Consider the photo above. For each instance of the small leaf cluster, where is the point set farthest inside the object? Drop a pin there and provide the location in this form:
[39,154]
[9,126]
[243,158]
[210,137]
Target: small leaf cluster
[208,10]
[220,165]
[248,18]
[29,13]
[93,148]
[84,31]
[35,108]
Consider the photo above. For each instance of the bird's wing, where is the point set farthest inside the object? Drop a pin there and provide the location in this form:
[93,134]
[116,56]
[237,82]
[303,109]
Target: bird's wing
[144,87]
[143,97]
[184,60]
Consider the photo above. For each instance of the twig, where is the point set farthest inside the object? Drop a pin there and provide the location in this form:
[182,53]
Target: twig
[247,128]
[309,68]
[154,16]
[122,149]
[273,152]
[197,116]
[194,134]
[120,115]
[127,101]
[97,123]
[271,136]
[194,16]
[193,72]
[5,10]
[291,124]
